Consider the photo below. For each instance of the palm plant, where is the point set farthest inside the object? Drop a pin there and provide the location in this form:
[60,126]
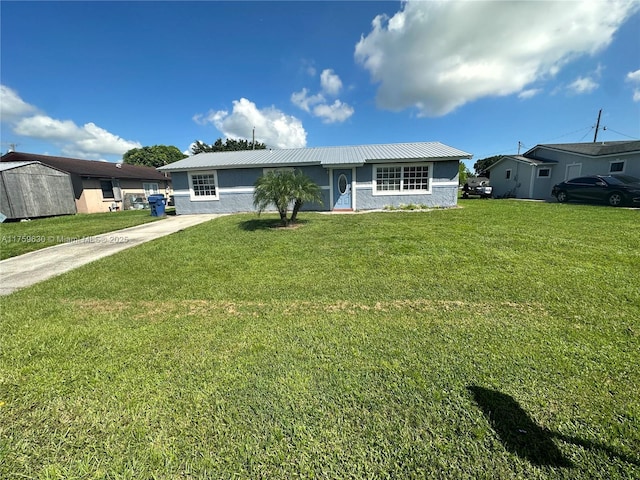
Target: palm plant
[305,190]
[281,188]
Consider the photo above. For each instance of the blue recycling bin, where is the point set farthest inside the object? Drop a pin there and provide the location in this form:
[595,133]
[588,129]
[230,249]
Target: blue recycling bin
[156,203]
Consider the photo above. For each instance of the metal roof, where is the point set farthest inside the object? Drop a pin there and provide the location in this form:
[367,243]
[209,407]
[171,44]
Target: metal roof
[325,156]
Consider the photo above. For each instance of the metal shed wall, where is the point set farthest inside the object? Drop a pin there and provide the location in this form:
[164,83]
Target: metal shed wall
[35,190]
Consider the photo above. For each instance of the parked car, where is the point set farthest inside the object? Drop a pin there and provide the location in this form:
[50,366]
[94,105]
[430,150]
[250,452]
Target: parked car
[482,190]
[615,190]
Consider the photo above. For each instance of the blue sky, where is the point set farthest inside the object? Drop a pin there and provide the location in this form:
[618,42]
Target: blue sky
[94,79]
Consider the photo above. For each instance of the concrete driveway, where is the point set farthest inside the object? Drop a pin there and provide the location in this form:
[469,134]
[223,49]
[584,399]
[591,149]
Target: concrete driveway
[30,268]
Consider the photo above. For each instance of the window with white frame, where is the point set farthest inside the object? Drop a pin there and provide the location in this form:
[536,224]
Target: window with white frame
[203,185]
[544,173]
[150,188]
[406,179]
[616,166]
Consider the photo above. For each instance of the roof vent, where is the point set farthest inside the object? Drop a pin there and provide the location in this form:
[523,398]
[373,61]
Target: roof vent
[118,165]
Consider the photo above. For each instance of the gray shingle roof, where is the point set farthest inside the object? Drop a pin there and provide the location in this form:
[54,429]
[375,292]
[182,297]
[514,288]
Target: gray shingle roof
[594,149]
[88,168]
[325,156]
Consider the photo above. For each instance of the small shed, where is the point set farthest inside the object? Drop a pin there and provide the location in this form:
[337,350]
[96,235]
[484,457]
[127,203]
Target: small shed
[32,189]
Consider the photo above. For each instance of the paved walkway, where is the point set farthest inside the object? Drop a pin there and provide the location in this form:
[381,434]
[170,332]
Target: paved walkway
[30,268]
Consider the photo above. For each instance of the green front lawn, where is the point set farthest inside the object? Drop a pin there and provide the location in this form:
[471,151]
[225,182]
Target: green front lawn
[17,238]
[498,340]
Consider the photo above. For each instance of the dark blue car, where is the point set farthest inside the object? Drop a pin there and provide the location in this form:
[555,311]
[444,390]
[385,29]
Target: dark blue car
[616,190]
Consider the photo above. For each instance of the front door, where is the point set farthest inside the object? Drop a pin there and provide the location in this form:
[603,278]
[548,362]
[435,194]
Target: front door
[342,190]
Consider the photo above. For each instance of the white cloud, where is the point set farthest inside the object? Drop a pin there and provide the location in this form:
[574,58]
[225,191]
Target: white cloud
[188,151]
[634,77]
[586,84]
[273,127]
[211,117]
[526,94]
[303,100]
[583,85]
[100,140]
[47,128]
[330,82]
[336,112]
[318,106]
[87,141]
[12,106]
[438,56]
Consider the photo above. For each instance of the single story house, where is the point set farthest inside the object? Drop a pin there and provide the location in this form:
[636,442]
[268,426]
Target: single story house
[32,189]
[533,174]
[104,186]
[365,177]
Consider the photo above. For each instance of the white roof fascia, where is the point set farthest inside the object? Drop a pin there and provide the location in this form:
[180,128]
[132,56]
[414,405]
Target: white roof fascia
[522,159]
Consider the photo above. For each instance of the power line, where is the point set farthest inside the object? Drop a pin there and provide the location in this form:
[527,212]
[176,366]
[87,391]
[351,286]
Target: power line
[571,133]
[620,133]
[520,144]
[588,132]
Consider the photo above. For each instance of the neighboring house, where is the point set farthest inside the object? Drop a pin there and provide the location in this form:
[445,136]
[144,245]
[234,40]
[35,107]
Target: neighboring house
[103,186]
[363,177]
[31,190]
[533,174]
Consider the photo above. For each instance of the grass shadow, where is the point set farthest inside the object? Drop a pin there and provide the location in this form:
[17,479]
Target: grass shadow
[521,435]
[517,431]
[267,224]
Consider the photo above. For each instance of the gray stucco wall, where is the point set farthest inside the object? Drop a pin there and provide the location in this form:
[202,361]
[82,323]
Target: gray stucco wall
[236,190]
[445,195]
[517,185]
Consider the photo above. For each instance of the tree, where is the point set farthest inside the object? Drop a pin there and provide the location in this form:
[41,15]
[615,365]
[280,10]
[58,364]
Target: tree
[228,146]
[281,189]
[155,156]
[463,173]
[481,165]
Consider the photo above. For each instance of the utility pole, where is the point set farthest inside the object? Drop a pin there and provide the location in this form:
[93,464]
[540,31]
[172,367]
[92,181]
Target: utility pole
[520,144]
[595,136]
[253,141]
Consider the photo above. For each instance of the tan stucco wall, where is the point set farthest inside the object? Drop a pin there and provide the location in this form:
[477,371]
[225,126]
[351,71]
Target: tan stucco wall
[91,200]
